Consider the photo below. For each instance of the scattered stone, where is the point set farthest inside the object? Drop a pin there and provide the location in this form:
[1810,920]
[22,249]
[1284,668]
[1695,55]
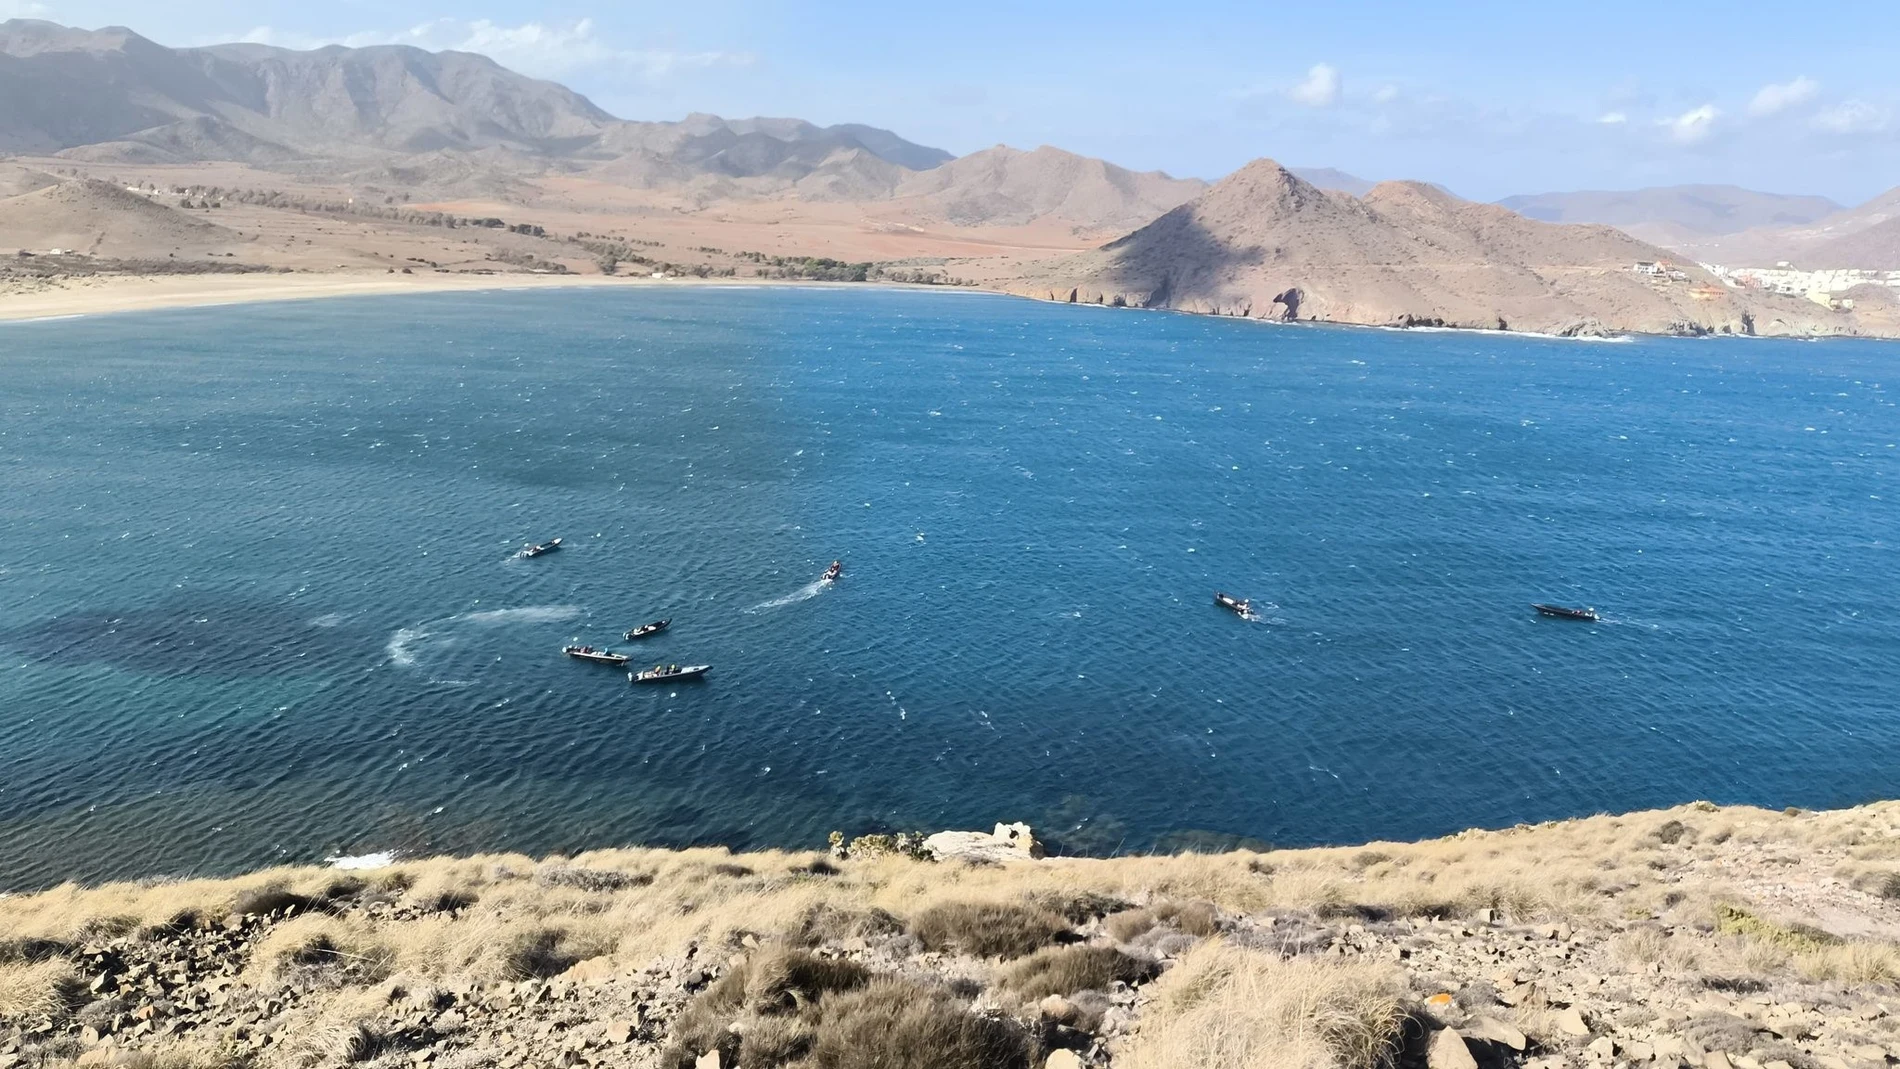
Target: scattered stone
[708,1060]
[1448,1050]
[1603,1048]
[1492,1030]
[1570,1021]
[1062,1059]
[1058,1009]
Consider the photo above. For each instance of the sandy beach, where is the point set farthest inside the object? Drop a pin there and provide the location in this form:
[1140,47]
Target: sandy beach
[105,294]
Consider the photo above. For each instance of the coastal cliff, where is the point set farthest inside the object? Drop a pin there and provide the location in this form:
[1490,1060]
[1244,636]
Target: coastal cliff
[1707,936]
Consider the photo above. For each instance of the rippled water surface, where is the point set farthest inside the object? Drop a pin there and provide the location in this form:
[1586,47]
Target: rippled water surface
[258,603]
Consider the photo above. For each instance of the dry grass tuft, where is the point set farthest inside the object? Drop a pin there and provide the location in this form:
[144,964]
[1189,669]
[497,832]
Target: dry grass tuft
[1879,883]
[895,1022]
[987,929]
[1851,963]
[1191,918]
[596,881]
[548,951]
[764,1011]
[1129,925]
[1067,970]
[1241,1009]
[319,949]
[31,990]
[268,899]
[827,923]
[1640,947]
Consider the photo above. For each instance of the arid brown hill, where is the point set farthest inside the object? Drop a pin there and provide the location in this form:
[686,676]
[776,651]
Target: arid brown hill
[1264,243]
[1003,186]
[100,219]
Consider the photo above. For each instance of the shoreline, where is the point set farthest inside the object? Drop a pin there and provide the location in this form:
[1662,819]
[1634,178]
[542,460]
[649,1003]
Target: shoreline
[97,295]
[116,294]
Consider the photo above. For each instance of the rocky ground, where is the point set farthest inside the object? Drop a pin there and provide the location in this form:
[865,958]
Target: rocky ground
[1702,937]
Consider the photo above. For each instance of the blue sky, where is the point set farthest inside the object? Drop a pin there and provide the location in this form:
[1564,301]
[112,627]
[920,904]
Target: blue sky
[1487,98]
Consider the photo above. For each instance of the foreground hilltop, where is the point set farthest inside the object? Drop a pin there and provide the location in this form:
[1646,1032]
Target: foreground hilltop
[1706,936]
[1265,243]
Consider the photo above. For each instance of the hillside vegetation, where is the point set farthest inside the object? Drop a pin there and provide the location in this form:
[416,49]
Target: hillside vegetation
[1705,936]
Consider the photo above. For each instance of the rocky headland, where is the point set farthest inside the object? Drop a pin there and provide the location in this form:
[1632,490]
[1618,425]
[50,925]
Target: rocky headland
[1721,938]
[1264,243]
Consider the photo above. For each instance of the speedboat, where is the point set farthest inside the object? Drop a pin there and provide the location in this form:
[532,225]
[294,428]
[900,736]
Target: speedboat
[1240,606]
[665,672]
[644,630]
[589,653]
[1563,613]
[832,573]
[535,549]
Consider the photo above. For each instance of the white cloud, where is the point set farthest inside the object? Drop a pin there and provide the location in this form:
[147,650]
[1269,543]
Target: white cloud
[1851,117]
[1320,87]
[21,9]
[1386,94]
[1613,118]
[1777,97]
[1692,126]
[540,49]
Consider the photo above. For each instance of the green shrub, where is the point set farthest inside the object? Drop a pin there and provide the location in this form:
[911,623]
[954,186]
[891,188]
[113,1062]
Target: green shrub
[1798,938]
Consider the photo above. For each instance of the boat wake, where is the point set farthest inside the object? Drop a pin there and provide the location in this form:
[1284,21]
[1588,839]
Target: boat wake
[530,614]
[410,645]
[804,593]
[1264,614]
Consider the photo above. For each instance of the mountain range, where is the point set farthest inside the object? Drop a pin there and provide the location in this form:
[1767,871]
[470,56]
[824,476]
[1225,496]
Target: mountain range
[448,128]
[1674,213]
[393,112]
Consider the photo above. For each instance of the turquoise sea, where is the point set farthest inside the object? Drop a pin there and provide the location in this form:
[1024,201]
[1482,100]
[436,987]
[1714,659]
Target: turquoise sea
[258,601]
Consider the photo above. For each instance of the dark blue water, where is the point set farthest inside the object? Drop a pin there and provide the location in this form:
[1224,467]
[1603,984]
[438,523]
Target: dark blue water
[257,601]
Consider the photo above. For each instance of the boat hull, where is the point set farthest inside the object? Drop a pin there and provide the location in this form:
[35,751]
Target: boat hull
[1562,613]
[617,660]
[695,671]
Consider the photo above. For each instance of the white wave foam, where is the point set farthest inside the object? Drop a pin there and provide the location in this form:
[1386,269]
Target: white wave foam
[401,647]
[330,619]
[408,645]
[380,860]
[527,614]
[803,593]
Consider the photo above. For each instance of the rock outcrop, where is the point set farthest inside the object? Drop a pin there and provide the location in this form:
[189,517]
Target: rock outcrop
[1009,842]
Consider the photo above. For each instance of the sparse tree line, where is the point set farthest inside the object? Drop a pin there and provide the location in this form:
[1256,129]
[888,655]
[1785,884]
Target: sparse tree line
[610,252]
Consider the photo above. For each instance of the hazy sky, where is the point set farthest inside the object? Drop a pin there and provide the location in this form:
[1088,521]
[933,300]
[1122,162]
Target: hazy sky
[1488,98]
